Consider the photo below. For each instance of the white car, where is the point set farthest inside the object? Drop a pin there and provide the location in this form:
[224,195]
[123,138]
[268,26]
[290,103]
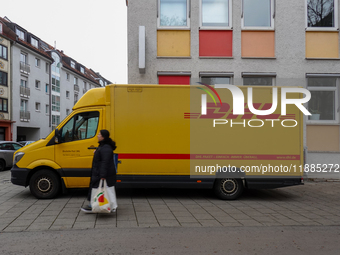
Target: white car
[7,149]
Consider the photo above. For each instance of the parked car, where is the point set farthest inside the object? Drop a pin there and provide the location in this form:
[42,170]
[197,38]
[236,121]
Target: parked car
[24,143]
[7,150]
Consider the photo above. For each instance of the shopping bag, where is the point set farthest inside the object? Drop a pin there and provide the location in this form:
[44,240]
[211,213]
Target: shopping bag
[112,197]
[101,201]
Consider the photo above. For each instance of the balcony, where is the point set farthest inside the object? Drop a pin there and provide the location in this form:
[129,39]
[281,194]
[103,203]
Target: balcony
[25,116]
[25,92]
[25,68]
[76,87]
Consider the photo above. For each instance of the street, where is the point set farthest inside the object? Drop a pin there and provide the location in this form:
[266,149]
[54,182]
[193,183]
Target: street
[295,220]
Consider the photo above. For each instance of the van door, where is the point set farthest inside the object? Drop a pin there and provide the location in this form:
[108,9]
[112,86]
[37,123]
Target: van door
[74,152]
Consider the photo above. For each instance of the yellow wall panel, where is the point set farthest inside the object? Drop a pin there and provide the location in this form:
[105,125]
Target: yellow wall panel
[171,43]
[322,44]
[323,138]
[260,44]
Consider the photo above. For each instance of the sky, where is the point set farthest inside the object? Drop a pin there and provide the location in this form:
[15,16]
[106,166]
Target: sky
[93,33]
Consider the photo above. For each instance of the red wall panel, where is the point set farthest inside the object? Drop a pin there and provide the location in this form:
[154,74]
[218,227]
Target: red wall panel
[216,43]
[173,79]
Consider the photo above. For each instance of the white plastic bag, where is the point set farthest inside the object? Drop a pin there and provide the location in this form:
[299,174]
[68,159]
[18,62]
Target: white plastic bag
[103,199]
[101,202]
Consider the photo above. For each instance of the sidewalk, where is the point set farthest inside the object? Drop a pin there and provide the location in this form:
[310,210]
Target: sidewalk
[315,203]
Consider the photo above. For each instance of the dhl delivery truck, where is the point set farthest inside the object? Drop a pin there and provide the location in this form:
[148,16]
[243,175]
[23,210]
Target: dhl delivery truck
[174,136]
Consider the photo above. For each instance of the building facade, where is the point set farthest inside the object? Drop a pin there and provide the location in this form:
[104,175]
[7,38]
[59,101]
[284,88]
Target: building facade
[44,84]
[6,39]
[249,42]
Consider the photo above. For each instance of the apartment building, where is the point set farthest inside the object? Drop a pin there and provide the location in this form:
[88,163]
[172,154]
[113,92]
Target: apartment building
[6,38]
[248,42]
[44,84]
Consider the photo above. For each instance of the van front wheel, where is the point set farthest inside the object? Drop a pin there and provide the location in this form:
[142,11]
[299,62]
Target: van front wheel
[44,184]
[228,188]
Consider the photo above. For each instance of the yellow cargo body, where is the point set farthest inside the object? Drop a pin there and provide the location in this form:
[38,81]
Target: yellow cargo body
[165,138]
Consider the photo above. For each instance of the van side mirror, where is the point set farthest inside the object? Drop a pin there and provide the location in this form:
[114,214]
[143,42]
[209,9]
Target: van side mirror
[57,136]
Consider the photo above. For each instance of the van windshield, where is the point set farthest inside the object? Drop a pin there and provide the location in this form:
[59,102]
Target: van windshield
[82,126]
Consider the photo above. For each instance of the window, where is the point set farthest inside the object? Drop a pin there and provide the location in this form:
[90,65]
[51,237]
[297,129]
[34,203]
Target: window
[55,67]
[3,52]
[55,121]
[75,80]
[37,107]
[73,64]
[323,104]
[20,34]
[3,105]
[55,83]
[23,83]
[3,78]
[67,94]
[23,105]
[55,103]
[67,76]
[34,42]
[82,69]
[173,13]
[47,68]
[216,13]
[75,98]
[212,80]
[260,79]
[0,28]
[37,62]
[37,84]
[258,14]
[322,14]
[47,109]
[81,126]
[67,112]
[23,58]
[47,88]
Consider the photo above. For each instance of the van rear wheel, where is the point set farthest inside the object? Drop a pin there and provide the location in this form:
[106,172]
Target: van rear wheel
[228,188]
[44,184]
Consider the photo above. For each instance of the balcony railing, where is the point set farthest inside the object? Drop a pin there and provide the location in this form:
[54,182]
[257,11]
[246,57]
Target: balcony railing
[76,87]
[25,92]
[25,68]
[25,115]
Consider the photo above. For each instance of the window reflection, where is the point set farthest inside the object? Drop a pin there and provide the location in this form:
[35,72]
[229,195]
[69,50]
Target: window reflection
[173,13]
[320,13]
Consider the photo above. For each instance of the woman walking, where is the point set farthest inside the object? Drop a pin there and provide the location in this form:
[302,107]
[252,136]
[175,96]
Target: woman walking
[103,166]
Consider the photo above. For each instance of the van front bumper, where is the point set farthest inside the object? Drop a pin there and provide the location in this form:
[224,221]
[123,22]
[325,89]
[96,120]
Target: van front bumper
[19,175]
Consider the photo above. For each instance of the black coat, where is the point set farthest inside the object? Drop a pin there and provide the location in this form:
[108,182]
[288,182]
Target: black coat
[103,166]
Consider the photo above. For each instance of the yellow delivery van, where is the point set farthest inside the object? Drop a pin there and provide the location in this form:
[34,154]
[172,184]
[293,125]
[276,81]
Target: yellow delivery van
[173,136]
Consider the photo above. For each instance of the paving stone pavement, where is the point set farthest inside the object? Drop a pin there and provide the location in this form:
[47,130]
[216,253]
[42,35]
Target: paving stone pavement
[312,204]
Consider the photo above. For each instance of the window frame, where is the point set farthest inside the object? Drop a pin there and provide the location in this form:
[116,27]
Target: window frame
[5,75]
[259,75]
[2,49]
[272,18]
[336,19]
[187,27]
[20,33]
[37,82]
[230,18]
[2,104]
[35,42]
[336,101]
[217,75]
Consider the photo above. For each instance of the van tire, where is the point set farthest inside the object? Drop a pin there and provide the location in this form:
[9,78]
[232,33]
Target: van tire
[228,188]
[2,165]
[44,184]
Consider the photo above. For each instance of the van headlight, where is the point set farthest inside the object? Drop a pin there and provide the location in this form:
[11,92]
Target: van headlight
[17,157]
